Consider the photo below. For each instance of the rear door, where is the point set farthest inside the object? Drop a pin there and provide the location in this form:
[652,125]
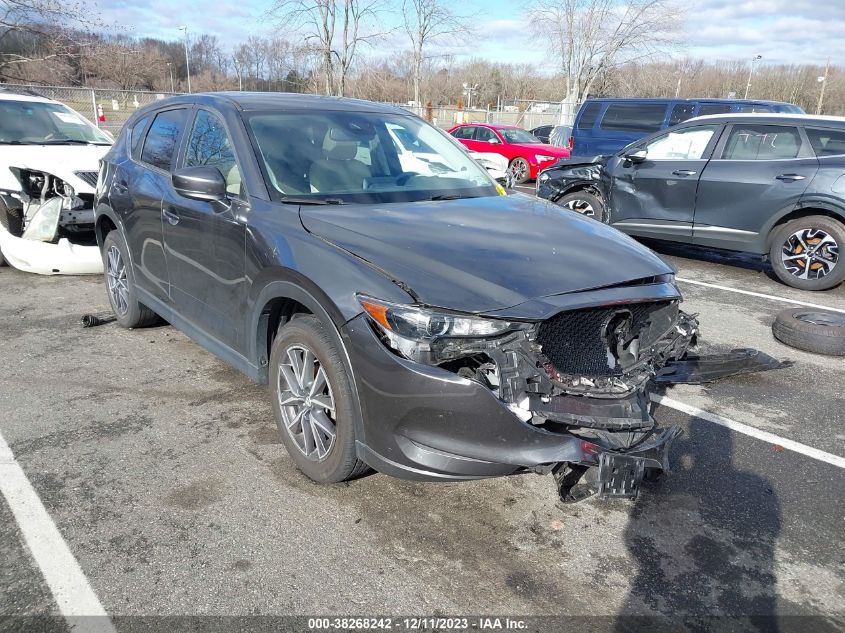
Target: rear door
[144,182]
[205,241]
[759,170]
[656,198]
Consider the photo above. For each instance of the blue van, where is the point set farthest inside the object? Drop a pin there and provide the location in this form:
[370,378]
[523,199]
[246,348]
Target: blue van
[604,126]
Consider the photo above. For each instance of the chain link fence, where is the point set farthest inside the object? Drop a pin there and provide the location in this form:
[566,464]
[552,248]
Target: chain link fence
[109,109]
[106,108]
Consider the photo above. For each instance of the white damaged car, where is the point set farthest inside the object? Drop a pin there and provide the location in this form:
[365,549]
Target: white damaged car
[49,164]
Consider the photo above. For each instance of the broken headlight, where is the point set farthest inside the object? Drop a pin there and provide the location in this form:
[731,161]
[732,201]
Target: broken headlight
[431,336]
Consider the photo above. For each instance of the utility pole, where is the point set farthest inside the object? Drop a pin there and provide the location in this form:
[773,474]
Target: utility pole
[170,68]
[751,72]
[187,61]
[823,81]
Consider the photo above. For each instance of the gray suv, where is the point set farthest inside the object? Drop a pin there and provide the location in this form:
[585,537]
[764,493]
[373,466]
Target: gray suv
[768,184]
[407,314]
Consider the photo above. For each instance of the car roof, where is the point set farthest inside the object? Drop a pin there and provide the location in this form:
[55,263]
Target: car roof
[690,100]
[17,96]
[771,117]
[253,101]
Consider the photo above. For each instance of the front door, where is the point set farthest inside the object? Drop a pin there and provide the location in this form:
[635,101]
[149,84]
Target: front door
[205,241]
[656,197]
[759,170]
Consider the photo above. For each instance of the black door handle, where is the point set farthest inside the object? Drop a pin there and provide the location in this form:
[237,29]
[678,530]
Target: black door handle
[684,172]
[170,216]
[790,177]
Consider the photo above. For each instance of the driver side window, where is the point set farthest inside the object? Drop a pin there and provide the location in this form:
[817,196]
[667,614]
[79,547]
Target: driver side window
[687,144]
[485,135]
[209,145]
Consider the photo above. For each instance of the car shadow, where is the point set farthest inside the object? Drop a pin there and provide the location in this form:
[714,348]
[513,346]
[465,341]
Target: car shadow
[747,261]
[703,540]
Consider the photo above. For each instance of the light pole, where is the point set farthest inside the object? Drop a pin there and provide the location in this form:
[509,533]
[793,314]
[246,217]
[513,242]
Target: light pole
[468,90]
[823,82]
[170,68]
[187,61]
[751,72]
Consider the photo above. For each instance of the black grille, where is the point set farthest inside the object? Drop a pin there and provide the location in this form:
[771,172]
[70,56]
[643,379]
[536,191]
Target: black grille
[89,177]
[574,341]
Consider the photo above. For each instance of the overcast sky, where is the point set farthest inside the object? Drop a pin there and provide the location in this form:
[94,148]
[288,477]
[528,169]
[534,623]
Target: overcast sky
[782,31]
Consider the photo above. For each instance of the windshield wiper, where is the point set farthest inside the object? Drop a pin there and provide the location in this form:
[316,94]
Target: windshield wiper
[295,200]
[448,196]
[70,141]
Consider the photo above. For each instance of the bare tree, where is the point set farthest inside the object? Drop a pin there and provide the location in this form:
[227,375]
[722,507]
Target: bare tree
[336,28]
[592,36]
[40,30]
[428,22]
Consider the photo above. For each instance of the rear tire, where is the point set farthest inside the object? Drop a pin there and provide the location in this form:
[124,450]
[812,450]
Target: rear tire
[586,204]
[811,330]
[816,242]
[120,285]
[314,408]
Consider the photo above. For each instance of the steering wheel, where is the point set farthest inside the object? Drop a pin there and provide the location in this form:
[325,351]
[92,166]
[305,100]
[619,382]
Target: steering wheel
[404,178]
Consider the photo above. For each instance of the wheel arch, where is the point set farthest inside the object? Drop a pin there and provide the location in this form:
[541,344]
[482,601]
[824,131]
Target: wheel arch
[802,212]
[278,302]
[105,223]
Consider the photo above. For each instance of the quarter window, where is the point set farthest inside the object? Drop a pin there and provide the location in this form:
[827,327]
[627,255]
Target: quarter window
[137,132]
[589,116]
[209,145]
[762,142]
[827,142]
[680,113]
[161,140]
[687,144]
[634,117]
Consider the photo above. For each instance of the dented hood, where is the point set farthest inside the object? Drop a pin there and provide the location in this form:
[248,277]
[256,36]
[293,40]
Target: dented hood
[484,254]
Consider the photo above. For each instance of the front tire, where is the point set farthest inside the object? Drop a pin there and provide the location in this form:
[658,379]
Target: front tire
[120,284]
[805,253]
[312,402]
[586,204]
[520,170]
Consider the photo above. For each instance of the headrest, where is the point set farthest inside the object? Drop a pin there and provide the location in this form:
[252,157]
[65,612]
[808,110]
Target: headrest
[340,145]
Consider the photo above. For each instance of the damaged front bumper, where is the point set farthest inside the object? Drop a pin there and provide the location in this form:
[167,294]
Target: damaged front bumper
[533,411]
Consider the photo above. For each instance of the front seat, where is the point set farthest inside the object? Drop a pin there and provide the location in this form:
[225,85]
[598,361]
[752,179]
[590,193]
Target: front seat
[338,171]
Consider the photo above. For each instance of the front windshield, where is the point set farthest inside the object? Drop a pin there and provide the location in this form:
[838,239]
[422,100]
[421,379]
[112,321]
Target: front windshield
[362,157]
[36,123]
[517,135]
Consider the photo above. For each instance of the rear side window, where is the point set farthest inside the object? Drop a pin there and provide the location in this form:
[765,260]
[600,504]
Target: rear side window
[713,108]
[827,142]
[634,117]
[588,116]
[161,140]
[754,108]
[137,133]
[680,113]
[464,132]
[762,142]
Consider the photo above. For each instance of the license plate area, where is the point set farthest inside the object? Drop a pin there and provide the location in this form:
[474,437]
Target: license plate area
[620,475]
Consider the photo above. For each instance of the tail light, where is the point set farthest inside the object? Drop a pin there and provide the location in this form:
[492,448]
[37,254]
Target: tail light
[571,142]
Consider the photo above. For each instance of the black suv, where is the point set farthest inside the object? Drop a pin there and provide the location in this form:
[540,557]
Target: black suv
[770,184]
[407,314]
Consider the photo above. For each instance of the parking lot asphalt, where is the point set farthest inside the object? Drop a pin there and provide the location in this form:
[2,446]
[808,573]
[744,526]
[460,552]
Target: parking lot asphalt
[162,470]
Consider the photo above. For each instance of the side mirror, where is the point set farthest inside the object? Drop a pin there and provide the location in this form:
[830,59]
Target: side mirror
[200,183]
[637,156]
[493,141]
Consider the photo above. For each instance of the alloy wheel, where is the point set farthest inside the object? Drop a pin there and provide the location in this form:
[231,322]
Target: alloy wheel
[810,253]
[117,282]
[307,403]
[519,170]
[581,206]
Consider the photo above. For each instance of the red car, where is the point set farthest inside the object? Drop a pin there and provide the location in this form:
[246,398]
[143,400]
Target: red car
[526,154]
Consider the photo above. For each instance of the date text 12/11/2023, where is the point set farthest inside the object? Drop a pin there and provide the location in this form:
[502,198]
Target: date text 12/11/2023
[417,623]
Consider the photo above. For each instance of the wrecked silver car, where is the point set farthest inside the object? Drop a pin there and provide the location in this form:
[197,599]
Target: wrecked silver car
[49,164]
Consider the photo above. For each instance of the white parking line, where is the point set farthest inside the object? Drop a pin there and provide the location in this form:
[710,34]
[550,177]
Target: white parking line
[76,600]
[739,427]
[759,294]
